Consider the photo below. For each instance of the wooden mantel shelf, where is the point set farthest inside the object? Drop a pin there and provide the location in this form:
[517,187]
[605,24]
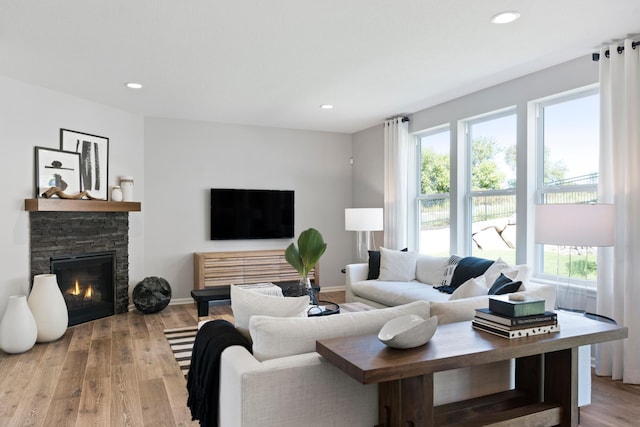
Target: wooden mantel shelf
[70,205]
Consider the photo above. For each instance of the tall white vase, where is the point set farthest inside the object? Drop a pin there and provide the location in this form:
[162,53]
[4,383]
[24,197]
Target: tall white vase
[18,330]
[48,307]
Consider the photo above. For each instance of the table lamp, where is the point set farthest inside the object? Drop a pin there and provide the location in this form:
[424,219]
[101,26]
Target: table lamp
[364,221]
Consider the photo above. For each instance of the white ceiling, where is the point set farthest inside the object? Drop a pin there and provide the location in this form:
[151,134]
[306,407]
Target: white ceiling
[274,62]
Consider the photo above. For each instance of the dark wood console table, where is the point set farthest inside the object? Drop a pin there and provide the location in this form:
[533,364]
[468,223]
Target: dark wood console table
[546,378]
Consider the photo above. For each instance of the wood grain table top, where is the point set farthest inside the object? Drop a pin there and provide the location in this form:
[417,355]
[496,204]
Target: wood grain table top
[457,345]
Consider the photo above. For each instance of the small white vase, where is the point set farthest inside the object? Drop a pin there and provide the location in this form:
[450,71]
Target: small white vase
[48,307]
[126,184]
[18,330]
[116,194]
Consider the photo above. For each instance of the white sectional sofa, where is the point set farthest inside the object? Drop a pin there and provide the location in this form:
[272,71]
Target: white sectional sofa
[286,383]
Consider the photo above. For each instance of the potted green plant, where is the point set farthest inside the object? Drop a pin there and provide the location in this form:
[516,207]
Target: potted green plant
[304,258]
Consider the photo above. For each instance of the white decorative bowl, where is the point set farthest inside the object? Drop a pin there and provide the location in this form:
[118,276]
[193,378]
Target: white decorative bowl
[408,331]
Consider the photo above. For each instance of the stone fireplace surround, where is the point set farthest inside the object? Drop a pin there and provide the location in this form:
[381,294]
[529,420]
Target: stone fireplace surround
[74,233]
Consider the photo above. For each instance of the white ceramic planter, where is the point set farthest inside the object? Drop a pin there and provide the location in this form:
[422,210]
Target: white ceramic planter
[18,330]
[48,307]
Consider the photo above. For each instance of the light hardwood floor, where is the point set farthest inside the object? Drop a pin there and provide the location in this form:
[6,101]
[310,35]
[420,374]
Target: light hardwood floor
[119,371]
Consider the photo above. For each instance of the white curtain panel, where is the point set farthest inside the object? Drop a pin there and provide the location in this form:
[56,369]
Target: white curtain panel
[619,267]
[396,175]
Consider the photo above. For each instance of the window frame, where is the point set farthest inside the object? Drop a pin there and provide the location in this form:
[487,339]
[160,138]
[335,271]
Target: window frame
[419,196]
[469,193]
[541,189]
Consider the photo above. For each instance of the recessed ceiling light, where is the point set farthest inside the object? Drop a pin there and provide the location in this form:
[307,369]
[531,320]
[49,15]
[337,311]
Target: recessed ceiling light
[326,106]
[133,85]
[505,17]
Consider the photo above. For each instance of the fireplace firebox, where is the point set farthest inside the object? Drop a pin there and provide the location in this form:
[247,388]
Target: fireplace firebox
[87,284]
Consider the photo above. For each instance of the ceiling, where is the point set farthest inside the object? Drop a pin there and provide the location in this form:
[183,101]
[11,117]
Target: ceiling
[272,63]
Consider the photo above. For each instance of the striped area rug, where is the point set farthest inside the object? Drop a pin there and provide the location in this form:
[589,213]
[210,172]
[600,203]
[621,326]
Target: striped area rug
[181,342]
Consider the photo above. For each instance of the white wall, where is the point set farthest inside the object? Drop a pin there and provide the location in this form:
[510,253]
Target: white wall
[560,78]
[368,167]
[184,159]
[32,116]
[368,176]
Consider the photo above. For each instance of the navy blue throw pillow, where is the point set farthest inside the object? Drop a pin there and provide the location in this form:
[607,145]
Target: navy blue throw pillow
[469,267]
[504,285]
[500,281]
[374,265]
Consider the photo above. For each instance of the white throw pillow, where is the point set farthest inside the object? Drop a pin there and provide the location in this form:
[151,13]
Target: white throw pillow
[430,269]
[246,303]
[473,287]
[452,263]
[397,266]
[517,273]
[278,337]
[493,272]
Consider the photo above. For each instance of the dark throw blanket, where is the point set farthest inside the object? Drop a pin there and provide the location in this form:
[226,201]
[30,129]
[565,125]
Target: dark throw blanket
[203,381]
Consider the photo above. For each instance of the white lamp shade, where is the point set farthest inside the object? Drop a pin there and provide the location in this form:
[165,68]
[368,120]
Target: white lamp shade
[575,224]
[363,219]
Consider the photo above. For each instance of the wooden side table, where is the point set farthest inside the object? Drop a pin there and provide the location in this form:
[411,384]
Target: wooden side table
[546,373]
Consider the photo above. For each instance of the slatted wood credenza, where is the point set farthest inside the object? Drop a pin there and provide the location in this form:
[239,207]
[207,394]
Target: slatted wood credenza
[243,267]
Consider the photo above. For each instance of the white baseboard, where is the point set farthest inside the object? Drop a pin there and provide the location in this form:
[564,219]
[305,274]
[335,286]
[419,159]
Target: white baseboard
[331,288]
[174,301]
[181,301]
[178,301]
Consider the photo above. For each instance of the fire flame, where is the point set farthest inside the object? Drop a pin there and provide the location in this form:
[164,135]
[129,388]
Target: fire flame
[76,290]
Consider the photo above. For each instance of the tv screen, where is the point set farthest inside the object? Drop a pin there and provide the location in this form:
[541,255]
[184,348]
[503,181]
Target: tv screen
[251,214]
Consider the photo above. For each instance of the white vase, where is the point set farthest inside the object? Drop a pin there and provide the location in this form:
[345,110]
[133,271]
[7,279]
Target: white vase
[48,307]
[126,184]
[18,329]
[116,194]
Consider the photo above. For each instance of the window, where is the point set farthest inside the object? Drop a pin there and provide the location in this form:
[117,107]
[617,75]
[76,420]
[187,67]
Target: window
[491,171]
[567,135]
[433,196]
[468,192]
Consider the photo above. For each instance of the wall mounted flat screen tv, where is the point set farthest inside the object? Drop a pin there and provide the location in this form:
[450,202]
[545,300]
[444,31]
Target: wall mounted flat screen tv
[251,214]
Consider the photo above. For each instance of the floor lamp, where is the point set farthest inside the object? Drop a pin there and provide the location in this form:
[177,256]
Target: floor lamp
[588,225]
[577,225]
[364,221]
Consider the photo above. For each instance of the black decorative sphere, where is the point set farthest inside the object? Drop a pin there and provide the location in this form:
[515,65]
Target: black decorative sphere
[152,295]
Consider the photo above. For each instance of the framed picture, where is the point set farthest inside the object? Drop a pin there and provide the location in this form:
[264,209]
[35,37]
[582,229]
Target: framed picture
[94,160]
[57,168]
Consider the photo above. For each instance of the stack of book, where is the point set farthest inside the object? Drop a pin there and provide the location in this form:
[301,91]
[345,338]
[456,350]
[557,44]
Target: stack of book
[510,318]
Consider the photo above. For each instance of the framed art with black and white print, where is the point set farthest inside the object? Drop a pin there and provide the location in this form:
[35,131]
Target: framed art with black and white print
[94,160]
[57,168]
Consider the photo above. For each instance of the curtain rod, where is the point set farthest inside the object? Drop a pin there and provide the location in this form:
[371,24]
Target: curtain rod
[404,118]
[620,49]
